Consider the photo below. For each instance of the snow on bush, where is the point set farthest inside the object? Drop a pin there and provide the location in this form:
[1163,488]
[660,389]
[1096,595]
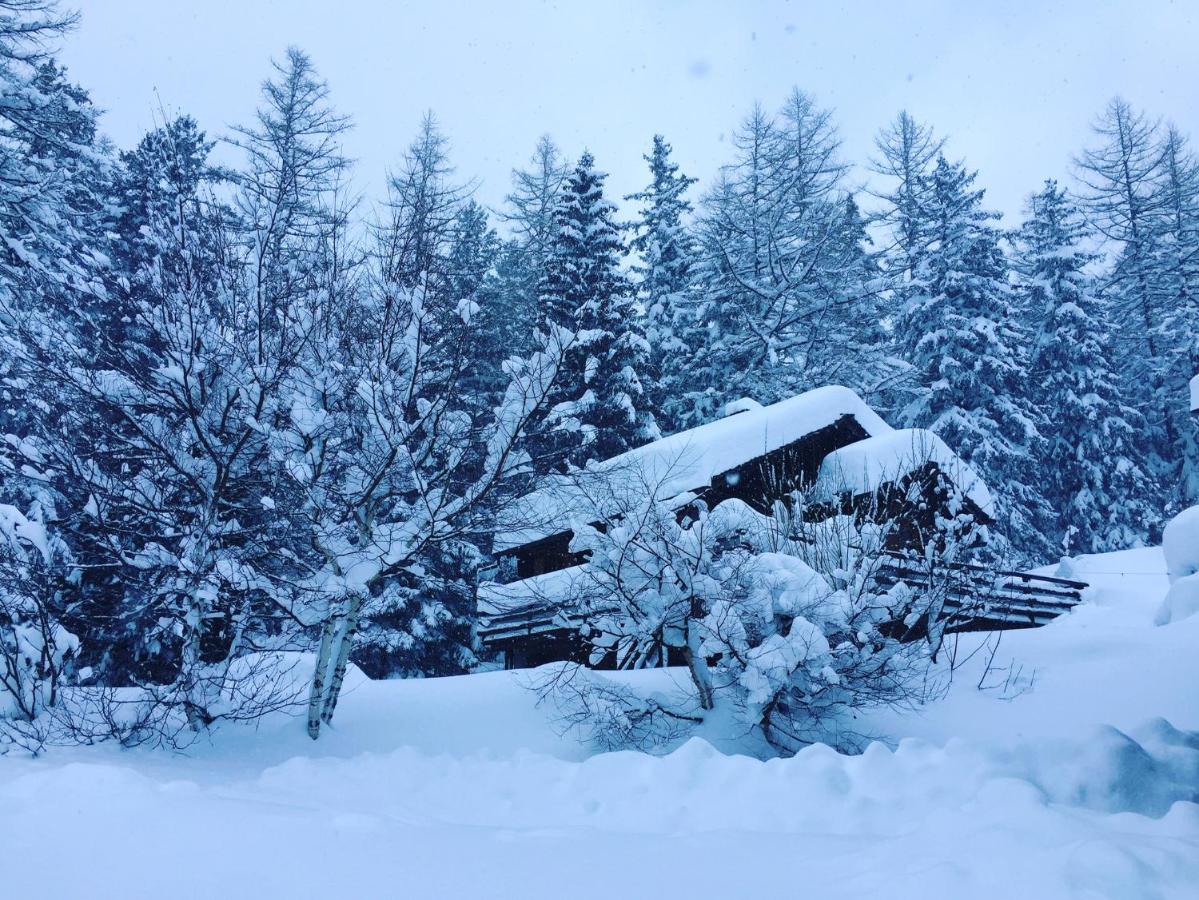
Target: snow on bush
[36,652]
[776,616]
[1180,543]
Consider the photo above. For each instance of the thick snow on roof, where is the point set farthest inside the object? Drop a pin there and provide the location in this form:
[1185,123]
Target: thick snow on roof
[552,587]
[685,461]
[1195,394]
[866,465]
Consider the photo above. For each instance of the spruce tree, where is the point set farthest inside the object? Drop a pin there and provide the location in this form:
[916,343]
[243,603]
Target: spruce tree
[666,250]
[1092,464]
[601,395]
[969,352]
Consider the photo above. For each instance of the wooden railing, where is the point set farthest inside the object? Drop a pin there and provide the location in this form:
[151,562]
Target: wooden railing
[978,598]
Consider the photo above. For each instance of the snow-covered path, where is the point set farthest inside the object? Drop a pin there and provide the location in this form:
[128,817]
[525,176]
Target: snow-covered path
[462,788]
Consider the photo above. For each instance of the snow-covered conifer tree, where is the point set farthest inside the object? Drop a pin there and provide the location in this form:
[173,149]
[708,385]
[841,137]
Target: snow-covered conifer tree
[528,212]
[666,250]
[784,303]
[1120,191]
[423,210]
[1091,461]
[1176,282]
[906,151]
[960,331]
[600,407]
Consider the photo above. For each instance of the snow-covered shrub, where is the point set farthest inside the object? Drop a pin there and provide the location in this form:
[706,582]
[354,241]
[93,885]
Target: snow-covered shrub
[1180,543]
[37,653]
[785,616]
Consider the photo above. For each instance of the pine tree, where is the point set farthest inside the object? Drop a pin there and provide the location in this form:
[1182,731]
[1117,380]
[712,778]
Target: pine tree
[474,289]
[666,250]
[54,215]
[55,273]
[601,397]
[969,351]
[1093,471]
[509,303]
[423,206]
[532,204]
[167,271]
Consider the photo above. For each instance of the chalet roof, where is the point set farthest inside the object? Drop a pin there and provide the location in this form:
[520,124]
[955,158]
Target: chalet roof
[551,588]
[865,466]
[683,462]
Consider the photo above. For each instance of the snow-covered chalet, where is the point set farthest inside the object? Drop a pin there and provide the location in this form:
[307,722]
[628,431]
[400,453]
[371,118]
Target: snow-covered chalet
[827,443]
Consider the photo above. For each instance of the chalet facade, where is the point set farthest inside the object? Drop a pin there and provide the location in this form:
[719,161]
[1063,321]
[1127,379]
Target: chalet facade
[826,443]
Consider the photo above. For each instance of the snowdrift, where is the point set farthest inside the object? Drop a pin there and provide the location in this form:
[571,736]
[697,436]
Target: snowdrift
[1074,772]
[1180,543]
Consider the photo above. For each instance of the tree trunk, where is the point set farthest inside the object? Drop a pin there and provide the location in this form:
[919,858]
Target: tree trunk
[697,666]
[344,645]
[316,694]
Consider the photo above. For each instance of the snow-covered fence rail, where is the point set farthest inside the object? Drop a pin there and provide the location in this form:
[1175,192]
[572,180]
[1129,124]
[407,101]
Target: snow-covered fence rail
[978,598]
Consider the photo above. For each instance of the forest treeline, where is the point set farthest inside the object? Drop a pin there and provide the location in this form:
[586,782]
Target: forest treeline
[245,411]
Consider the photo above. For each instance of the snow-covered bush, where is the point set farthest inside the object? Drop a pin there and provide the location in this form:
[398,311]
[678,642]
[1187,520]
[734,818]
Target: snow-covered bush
[1180,543]
[787,617]
[37,653]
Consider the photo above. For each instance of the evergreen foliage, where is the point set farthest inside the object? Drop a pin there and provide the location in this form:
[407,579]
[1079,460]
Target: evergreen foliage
[1092,476]
[600,408]
[666,251]
[960,330]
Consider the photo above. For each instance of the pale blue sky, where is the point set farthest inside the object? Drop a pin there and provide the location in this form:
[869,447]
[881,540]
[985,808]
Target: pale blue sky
[1013,84]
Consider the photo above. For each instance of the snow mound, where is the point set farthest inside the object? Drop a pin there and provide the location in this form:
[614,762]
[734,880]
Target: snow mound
[1180,544]
[866,465]
[1181,602]
[1106,815]
[745,404]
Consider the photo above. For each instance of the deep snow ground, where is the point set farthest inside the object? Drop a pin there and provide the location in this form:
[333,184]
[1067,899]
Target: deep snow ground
[1073,786]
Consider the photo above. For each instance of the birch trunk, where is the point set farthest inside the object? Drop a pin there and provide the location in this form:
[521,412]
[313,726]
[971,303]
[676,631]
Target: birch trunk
[342,657]
[316,693]
[697,666]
